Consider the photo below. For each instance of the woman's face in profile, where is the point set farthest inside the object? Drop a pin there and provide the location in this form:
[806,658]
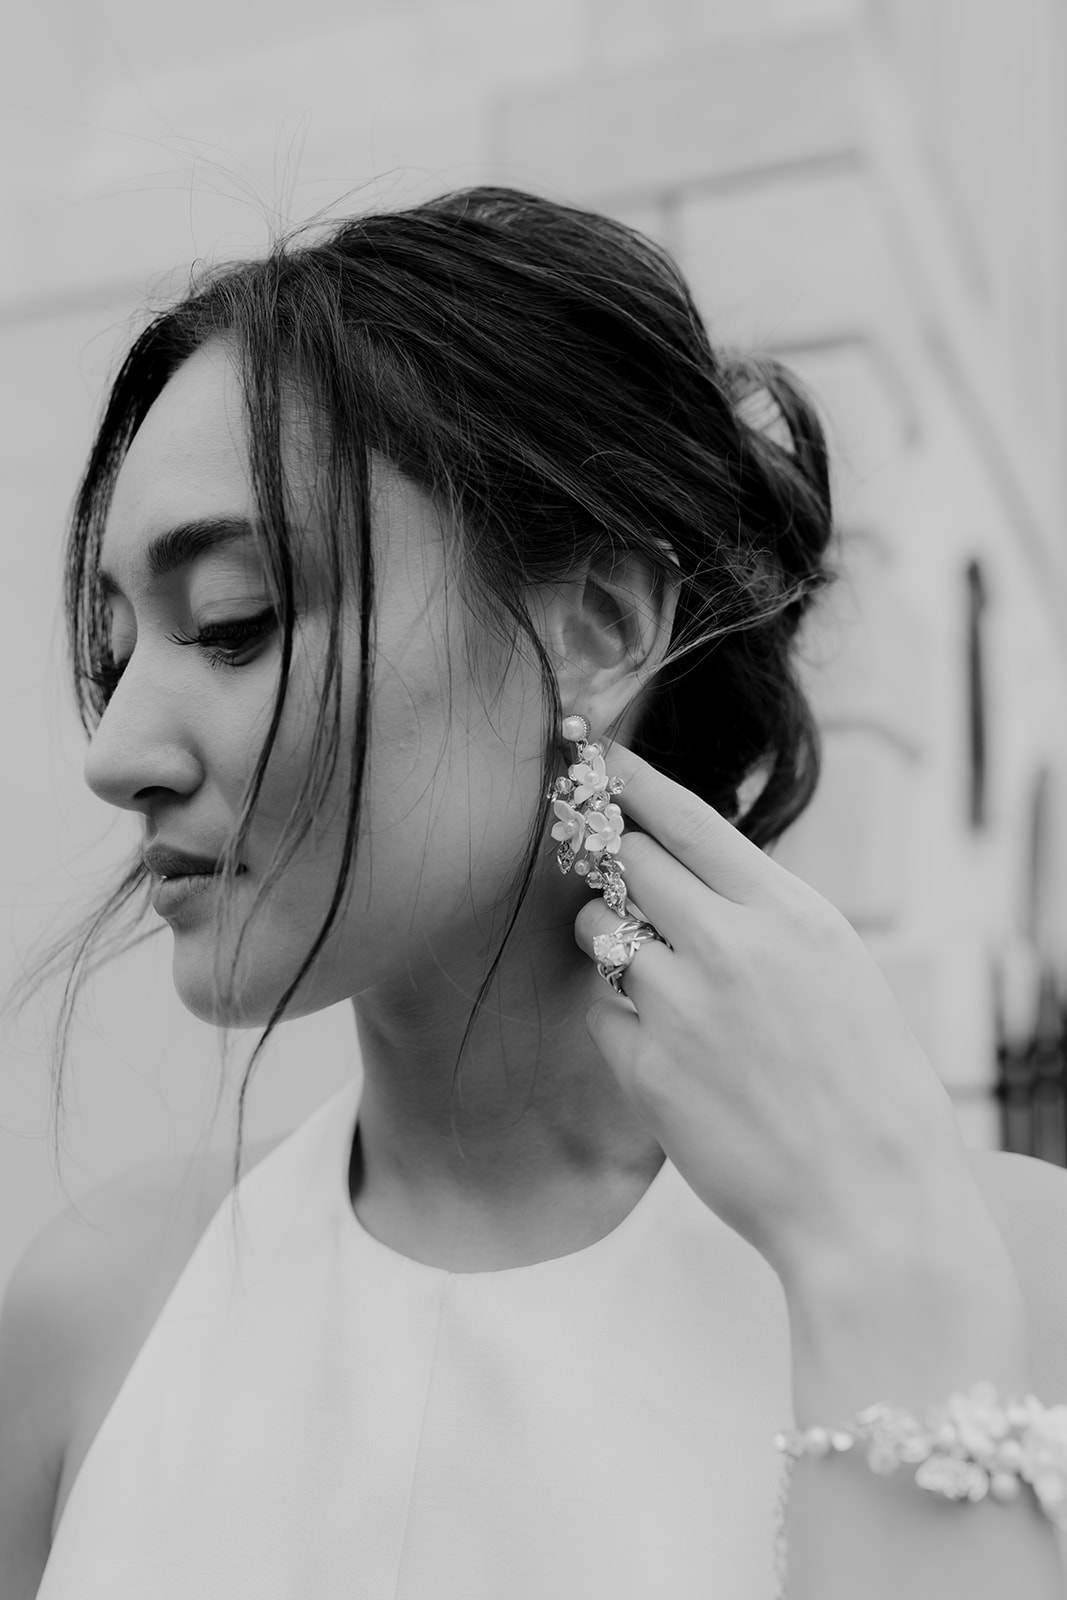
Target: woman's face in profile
[453,783]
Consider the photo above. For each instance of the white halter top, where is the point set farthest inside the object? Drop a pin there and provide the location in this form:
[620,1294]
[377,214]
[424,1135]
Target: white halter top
[315,1417]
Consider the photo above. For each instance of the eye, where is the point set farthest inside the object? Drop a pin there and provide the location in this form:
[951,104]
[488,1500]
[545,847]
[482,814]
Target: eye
[225,642]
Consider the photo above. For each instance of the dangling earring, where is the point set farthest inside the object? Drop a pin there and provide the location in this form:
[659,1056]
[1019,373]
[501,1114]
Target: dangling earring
[589,824]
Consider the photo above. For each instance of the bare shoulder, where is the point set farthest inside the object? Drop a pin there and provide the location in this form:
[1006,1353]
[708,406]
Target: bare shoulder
[1028,1199]
[76,1310]
[110,1256]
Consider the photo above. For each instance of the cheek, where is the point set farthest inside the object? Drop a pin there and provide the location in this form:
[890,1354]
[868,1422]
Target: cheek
[243,734]
[454,788]
[451,793]
[238,743]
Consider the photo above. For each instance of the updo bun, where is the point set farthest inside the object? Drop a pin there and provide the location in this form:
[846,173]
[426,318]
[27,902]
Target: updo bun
[781,432]
[734,706]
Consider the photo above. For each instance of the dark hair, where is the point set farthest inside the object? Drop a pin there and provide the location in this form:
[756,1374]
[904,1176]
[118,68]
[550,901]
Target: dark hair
[542,372]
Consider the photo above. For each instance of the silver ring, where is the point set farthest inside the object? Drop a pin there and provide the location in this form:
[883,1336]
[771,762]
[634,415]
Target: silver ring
[615,951]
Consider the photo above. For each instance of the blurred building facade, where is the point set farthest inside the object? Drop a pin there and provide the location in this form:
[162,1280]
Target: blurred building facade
[871,189]
[880,198]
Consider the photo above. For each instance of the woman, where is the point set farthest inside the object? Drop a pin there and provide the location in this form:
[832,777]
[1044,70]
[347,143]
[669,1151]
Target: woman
[383,540]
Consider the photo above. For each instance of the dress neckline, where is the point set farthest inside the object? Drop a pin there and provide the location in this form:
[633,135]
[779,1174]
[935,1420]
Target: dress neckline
[572,1260]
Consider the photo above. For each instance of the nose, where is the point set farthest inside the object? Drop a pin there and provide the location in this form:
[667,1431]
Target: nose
[140,752]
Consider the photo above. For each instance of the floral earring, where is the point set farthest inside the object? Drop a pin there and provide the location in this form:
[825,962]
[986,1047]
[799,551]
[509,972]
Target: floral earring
[589,824]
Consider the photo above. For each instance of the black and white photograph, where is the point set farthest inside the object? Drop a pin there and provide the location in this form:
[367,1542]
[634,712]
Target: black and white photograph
[533,818]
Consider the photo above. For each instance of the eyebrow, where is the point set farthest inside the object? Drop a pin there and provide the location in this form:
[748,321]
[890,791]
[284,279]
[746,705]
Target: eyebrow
[179,545]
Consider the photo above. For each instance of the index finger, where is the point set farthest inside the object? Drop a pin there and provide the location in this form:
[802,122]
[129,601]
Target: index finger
[695,833]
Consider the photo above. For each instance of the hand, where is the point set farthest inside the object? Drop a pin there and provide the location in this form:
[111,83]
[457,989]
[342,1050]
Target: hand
[765,1048]
[770,1059]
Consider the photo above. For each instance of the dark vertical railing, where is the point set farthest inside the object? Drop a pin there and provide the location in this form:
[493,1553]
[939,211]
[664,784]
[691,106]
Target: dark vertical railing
[977,600]
[1031,1085]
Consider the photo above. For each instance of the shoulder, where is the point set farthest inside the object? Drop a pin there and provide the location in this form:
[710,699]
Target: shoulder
[1028,1201]
[101,1254]
[77,1307]
[34,1408]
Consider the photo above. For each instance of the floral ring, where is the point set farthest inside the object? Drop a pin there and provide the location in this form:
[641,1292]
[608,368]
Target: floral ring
[615,951]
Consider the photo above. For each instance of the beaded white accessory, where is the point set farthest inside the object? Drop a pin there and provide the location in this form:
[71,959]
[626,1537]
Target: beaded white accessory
[975,1444]
[587,818]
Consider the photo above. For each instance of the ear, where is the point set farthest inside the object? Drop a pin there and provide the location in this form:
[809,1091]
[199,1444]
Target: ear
[607,628]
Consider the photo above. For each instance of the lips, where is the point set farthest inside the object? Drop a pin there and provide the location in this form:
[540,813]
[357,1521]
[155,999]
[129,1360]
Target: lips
[164,862]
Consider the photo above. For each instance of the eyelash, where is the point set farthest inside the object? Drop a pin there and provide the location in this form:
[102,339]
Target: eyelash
[211,637]
[223,642]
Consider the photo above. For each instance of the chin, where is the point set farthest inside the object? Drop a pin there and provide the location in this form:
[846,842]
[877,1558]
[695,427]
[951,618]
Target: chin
[250,999]
[225,1004]
[220,1011]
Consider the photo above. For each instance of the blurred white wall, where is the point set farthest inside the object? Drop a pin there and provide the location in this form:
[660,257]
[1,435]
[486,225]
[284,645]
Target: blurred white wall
[863,188]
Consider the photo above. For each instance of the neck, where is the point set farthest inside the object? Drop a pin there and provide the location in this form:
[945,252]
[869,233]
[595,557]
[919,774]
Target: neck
[529,1150]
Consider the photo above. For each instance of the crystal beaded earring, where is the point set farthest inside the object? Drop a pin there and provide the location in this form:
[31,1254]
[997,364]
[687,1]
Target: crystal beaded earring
[589,824]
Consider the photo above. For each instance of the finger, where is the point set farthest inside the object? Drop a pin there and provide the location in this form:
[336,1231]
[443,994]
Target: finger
[673,899]
[695,833]
[646,974]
